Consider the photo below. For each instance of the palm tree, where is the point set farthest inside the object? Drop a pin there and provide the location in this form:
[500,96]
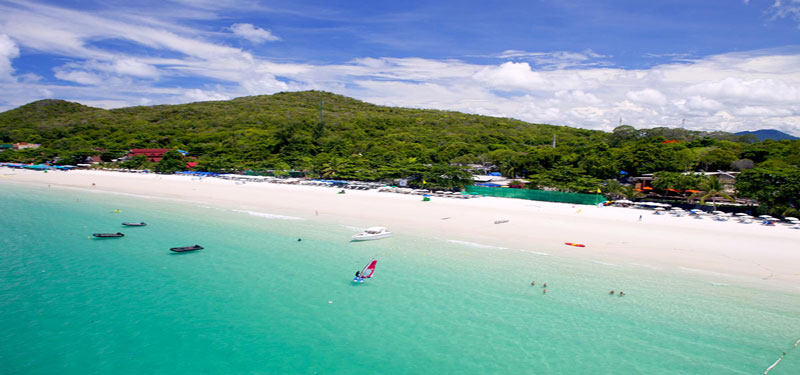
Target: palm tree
[613,189]
[629,192]
[712,188]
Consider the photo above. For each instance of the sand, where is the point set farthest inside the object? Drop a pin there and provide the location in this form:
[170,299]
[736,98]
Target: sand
[749,253]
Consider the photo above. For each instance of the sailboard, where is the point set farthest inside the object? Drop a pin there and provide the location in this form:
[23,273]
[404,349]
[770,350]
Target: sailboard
[366,272]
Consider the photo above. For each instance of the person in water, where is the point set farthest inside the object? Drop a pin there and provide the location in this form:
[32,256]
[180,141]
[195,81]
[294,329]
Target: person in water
[621,294]
[358,273]
[533,283]
[544,291]
[611,292]
[545,285]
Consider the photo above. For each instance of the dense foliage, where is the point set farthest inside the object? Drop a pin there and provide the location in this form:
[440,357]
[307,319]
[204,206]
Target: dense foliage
[333,136]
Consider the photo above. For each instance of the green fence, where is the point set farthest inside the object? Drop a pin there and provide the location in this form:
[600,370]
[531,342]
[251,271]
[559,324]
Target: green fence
[537,195]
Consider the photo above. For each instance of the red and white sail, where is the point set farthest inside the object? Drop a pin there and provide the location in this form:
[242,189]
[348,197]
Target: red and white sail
[369,269]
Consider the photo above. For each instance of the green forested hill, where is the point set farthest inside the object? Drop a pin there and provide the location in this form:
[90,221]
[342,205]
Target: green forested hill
[334,136]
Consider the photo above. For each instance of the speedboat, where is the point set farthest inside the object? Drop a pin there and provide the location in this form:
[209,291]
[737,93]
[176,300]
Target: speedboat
[186,248]
[373,233]
[108,235]
[140,224]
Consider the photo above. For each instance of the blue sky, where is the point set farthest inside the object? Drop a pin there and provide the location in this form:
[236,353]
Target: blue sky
[719,65]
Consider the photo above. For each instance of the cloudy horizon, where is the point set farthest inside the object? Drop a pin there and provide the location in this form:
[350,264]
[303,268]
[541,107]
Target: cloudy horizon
[582,65]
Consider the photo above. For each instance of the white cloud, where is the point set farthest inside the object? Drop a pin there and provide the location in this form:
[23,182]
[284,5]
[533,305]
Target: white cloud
[733,91]
[511,75]
[252,33]
[647,96]
[8,52]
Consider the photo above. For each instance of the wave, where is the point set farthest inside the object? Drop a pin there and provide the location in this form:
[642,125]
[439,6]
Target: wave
[603,263]
[482,246]
[535,252]
[268,216]
[704,271]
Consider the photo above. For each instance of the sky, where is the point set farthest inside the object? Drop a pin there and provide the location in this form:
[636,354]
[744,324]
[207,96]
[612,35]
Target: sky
[727,65]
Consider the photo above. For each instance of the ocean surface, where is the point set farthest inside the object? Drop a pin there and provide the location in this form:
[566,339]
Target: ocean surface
[258,301]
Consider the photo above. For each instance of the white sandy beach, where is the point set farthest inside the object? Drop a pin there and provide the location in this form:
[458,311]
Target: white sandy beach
[765,256]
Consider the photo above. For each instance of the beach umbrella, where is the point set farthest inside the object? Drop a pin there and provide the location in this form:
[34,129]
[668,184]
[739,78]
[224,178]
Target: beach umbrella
[766,216]
[741,214]
[789,218]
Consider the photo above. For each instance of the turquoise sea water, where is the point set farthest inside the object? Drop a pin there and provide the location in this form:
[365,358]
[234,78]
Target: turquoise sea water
[257,301]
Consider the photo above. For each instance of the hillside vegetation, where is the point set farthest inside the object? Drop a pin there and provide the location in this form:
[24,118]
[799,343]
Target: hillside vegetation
[334,136]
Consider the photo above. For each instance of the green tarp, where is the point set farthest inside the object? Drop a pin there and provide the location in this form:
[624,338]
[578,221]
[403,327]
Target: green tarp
[537,195]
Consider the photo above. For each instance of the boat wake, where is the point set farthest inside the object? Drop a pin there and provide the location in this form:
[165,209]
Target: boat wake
[268,216]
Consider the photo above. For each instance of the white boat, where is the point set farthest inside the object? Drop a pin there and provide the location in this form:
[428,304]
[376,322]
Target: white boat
[373,233]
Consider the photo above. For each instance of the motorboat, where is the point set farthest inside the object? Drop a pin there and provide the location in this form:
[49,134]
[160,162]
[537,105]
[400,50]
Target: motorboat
[373,233]
[186,248]
[140,224]
[108,235]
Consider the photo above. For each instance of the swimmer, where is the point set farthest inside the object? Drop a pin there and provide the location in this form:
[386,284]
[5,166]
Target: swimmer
[545,285]
[611,292]
[299,239]
[621,294]
[544,291]
[533,283]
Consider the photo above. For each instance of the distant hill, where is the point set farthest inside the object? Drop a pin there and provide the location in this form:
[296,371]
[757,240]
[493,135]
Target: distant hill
[775,135]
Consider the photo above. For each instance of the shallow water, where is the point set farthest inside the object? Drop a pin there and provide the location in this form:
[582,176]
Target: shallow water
[257,301]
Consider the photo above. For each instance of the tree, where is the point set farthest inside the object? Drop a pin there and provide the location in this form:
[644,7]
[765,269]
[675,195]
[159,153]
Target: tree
[775,188]
[172,161]
[630,193]
[135,162]
[613,189]
[712,188]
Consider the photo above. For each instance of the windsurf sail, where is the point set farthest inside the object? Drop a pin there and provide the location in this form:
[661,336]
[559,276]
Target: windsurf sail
[368,270]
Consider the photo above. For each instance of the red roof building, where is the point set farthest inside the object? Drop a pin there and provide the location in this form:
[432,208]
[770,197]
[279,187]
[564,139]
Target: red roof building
[153,154]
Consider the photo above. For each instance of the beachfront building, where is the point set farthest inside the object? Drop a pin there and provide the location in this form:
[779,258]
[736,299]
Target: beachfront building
[6,146]
[152,154]
[25,145]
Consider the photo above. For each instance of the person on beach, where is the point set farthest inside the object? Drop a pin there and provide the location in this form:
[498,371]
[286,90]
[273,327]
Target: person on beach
[640,217]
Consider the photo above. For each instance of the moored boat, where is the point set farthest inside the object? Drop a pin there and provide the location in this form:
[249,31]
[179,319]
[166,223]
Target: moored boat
[373,233]
[139,224]
[108,235]
[186,248]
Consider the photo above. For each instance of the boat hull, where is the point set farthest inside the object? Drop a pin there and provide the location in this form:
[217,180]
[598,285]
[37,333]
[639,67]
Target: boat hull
[370,237]
[186,248]
[108,235]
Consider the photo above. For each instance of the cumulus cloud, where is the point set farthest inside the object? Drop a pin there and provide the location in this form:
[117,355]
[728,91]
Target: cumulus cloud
[733,91]
[647,96]
[8,52]
[252,33]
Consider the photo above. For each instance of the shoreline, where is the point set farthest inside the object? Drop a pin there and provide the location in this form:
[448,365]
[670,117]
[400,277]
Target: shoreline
[759,256]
